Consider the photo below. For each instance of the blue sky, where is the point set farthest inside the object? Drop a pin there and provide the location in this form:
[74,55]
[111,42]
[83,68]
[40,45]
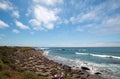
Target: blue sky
[68,23]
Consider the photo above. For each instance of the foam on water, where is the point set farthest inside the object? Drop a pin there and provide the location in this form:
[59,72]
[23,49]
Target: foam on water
[78,53]
[108,70]
[97,55]
[46,53]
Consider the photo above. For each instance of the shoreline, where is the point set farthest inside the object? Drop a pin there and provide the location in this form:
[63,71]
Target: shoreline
[108,70]
[33,60]
[28,60]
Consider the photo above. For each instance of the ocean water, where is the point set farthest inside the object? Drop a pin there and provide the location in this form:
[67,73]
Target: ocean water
[103,59]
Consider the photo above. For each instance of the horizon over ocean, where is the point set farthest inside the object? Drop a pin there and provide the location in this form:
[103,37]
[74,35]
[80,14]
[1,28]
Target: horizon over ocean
[103,59]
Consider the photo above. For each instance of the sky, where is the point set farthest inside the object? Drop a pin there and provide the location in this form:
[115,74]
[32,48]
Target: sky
[60,23]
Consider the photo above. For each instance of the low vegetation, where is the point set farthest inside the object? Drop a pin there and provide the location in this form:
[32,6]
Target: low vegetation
[8,70]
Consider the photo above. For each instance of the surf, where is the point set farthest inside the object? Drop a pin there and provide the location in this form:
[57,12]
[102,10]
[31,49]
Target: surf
[98,55]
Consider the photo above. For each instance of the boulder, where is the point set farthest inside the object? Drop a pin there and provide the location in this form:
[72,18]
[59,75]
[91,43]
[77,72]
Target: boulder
[97,73]
[85,68]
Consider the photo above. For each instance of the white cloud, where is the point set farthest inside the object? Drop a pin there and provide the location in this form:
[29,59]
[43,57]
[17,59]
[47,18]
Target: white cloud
[36,24]
[82,17]
[80,29]
[21,25]
[48,2]
[16,14]
[87,16]
[112,20]
[44,15]
[44,18]
[110,25]
[8,6]
[66,21]
[98,19]
[72,19]
[3,24]
[5,5]
[16,31]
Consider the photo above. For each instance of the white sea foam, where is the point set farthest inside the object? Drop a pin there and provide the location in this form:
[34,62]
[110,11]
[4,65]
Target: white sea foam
[81,53]
[46,53]
[71,62]
[108,70]
[116,57]
[105,56]
[42,48]
[97,55]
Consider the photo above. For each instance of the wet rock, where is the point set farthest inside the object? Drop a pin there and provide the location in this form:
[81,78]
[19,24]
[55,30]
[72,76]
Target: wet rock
[97,73]
[34,61]
[85,68]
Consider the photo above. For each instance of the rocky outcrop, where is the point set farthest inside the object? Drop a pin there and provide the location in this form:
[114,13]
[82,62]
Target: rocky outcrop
[33,60]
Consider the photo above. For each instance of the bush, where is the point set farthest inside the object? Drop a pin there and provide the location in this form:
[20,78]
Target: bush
[7,73]
[1,64]
[41,77]
[13,66]
[6,60]
[68,78]
[0,75]
[30,75]
[5,67]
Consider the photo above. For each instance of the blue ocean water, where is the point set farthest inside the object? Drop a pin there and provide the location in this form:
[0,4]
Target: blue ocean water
[102,59]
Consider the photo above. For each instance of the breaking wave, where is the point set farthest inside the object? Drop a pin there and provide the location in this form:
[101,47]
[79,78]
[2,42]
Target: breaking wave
[98,55]
[107,69]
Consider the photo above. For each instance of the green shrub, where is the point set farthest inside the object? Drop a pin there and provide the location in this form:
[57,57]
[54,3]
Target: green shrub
[41,77]
[13,66]
[0,75]
[1,64]
[30,75]
[6,60]
[7,73]
[68,78]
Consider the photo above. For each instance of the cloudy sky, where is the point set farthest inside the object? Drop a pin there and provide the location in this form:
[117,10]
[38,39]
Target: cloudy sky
[72,23]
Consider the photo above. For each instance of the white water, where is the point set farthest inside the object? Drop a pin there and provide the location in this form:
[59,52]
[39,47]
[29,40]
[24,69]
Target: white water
[97,55]
[106,69]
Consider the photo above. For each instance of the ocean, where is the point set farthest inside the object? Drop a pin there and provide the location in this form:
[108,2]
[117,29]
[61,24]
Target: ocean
[99,59]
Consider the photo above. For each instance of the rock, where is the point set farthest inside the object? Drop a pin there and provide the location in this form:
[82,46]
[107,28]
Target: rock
[82,78]
[76,76]
[94,77]
[55,77]
[31,60]
[97,73]
[85,68]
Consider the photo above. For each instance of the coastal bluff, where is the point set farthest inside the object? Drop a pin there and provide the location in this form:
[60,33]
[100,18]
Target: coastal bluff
[31,60]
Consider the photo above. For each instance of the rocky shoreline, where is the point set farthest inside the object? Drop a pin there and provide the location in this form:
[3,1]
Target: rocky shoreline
[33,60]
